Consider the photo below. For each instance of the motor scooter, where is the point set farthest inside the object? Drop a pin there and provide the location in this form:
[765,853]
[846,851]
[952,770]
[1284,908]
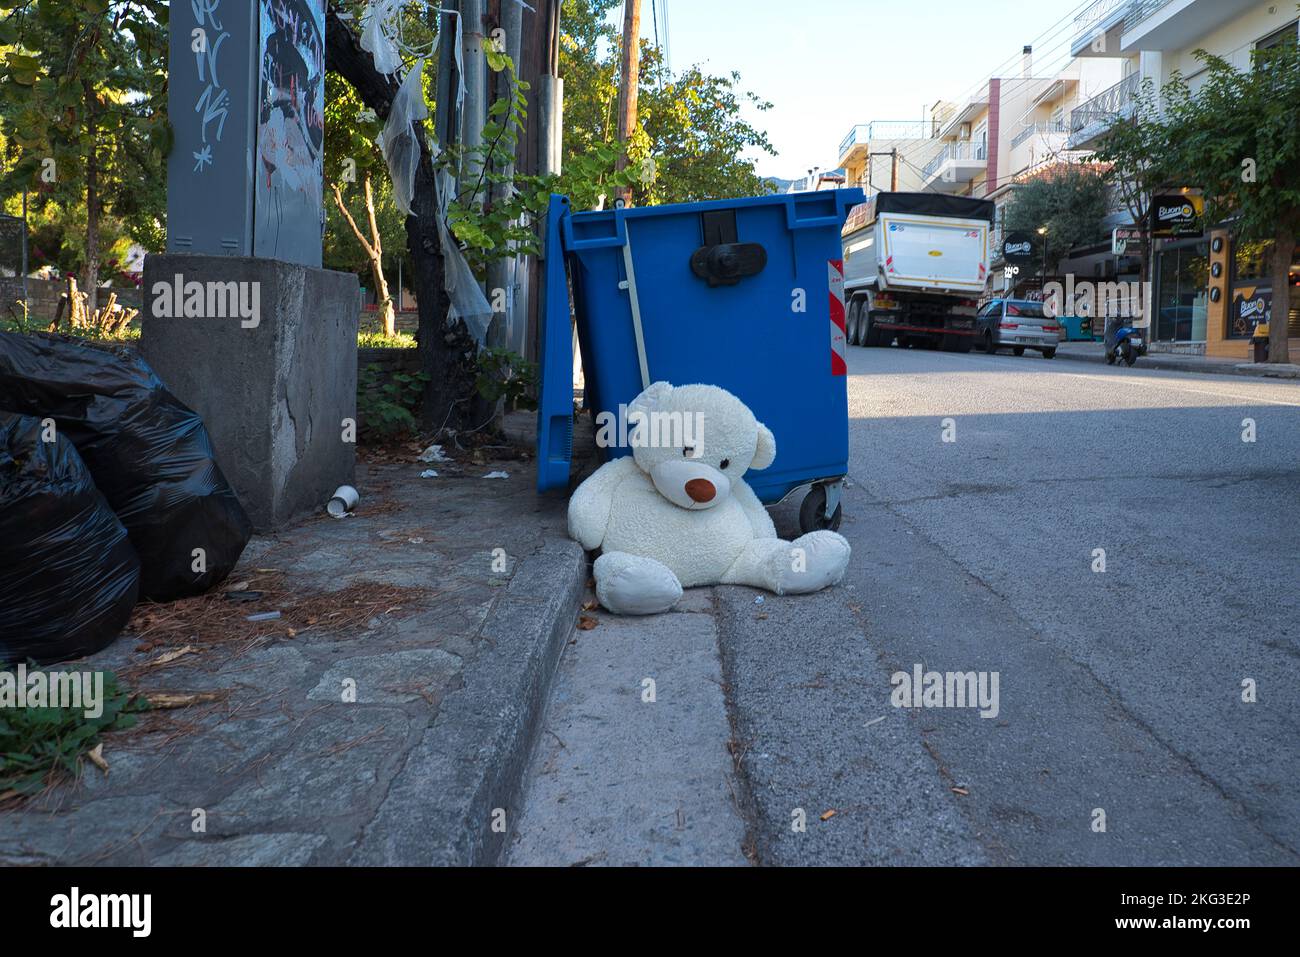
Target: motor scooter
[1124,342]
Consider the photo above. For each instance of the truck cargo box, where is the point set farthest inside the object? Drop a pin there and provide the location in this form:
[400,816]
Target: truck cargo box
[922,242]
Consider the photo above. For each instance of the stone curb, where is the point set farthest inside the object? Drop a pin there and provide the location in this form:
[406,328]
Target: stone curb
[473,757]
[1250,370]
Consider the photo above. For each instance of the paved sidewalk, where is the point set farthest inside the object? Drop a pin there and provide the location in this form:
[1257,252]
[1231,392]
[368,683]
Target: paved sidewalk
[382,719]
[1096,352]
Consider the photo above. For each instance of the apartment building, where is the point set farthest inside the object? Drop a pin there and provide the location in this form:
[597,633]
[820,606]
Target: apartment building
[1011,126]
[1009,131]
[867,155]
[1006,131]
[1209,291]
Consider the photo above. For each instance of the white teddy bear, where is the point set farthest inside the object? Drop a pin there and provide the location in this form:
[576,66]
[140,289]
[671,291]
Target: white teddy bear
[677,512]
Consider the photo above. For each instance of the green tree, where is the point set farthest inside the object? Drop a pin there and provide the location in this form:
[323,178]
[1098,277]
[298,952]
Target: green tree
[692,137]
[362,222]
[82,95]
[1238,140]
[1070,201]
[1136,151]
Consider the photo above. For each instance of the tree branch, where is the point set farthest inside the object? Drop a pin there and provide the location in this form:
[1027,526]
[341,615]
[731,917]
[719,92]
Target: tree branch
[338,201]
[370,211]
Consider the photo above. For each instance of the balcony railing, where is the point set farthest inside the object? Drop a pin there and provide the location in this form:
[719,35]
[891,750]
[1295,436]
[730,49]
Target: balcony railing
[1088,23]
[866,133]
[961,150]
[1106,106]
[1038,129]
[856,135]
[1140,10]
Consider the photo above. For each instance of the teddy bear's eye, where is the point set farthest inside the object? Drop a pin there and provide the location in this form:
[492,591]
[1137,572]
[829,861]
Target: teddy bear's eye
[725,463]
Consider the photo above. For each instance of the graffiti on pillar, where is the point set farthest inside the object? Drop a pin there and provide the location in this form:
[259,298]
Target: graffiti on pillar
[213,103]
[290,127]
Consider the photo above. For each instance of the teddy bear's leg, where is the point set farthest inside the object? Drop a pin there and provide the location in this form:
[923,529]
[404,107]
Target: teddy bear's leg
[634,585]
[808,564]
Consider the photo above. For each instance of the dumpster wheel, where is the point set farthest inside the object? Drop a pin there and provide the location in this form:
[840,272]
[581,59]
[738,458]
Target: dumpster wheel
[812,513]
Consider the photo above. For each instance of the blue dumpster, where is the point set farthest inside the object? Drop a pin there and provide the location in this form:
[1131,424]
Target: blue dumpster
[1077,328]
[746,294]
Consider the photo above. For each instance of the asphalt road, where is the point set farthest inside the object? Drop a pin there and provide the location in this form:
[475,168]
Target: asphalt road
[1120,692]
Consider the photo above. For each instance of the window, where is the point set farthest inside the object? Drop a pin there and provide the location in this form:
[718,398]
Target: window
[1182,292]
[1252,283]
[1269,46]
[1026,310]
[1289,34]
[1251,261]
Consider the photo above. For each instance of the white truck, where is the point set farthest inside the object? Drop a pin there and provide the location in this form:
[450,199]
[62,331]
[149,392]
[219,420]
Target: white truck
[915,268]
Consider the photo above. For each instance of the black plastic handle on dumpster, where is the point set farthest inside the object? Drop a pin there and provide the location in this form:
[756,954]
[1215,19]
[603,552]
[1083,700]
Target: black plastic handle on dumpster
[722,260]
[727,265]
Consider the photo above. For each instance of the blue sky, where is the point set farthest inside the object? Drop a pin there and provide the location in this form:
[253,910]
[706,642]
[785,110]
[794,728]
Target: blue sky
[825,66]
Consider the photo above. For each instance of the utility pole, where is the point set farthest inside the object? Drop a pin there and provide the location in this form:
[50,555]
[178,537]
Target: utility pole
[446,126]
[475,110]
[508,332]
[893,176]
[631,77]
[550,126]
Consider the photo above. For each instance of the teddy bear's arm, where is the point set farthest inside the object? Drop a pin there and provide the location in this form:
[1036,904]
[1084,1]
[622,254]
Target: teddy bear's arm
[759,520]
[590,506]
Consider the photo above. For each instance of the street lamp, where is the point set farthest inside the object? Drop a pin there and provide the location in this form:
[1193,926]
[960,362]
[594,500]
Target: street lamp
[1042,231]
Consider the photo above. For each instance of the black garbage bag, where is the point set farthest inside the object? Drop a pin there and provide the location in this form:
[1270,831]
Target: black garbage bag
[149,454]
[68,572]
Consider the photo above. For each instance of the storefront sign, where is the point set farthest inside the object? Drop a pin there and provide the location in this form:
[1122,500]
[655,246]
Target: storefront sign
[1123,236]
[1251,305]
[1018,248]
[1176,215]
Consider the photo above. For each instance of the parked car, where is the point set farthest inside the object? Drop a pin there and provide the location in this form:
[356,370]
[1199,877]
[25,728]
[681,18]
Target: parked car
[1018,325]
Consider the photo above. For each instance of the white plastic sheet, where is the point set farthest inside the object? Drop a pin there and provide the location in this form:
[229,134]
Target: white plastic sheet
[397,142]
[378,34]
[381,37]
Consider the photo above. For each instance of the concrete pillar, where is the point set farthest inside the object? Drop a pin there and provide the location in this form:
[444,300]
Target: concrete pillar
[266,352]
[1151,66]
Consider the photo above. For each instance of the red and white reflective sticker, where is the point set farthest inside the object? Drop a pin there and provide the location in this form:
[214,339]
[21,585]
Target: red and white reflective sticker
[839,334]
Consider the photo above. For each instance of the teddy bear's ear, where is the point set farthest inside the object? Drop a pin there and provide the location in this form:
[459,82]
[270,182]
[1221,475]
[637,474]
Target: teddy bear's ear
[638,411]
[765,452]
[651,398]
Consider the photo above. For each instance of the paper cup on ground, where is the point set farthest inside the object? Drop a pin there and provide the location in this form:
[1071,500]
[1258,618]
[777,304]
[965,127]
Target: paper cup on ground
[344,501]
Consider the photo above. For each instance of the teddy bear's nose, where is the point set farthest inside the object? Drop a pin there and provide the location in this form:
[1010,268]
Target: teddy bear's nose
[700,490]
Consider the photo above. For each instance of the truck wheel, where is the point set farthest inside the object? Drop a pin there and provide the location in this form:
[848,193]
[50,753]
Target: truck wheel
[871,336]
[812,513]
[854,322]
[956,343]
